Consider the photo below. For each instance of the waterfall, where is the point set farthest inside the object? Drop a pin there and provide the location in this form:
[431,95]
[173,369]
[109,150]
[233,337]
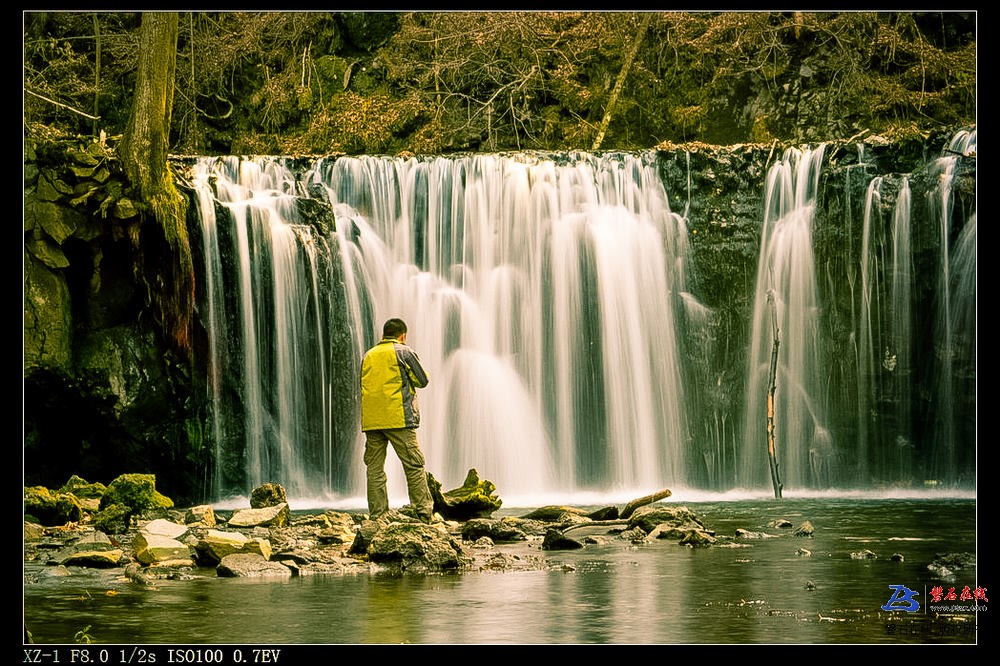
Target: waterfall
[785,296]
[541,297]
[869,327]
[956,295]
[553,302]
[898,358]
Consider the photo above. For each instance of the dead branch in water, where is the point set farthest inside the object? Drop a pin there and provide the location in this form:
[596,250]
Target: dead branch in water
[625,513]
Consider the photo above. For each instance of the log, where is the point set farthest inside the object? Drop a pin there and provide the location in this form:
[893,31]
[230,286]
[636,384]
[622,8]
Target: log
[630,508]
[625,513]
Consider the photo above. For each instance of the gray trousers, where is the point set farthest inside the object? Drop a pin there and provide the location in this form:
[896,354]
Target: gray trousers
[404,443]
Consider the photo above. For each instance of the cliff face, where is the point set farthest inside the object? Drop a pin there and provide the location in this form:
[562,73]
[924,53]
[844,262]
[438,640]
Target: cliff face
[104,395]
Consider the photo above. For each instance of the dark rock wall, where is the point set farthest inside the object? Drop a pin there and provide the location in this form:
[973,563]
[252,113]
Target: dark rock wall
[103,395]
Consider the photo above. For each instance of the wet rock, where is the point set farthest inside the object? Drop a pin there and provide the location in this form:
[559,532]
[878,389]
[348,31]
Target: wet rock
[864,555]
[749,534]
[33,531]
[216,545]
[697,538]
[805,529]
[415,547]
[556,540]
[649,517]
[558,514]
[101,559]
[945,565]
[504,529]
[634,535]
[268,494]
[251,565]
[157,548]
[277,515]
[89,548]
[201,515]
[51,508]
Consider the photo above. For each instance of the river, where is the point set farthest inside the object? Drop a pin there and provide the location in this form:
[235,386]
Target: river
[763,590]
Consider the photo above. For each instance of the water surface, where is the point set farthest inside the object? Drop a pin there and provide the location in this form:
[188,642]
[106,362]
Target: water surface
[749,591]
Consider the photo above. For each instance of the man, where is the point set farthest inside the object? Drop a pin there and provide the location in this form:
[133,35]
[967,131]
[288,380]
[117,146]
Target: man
[390,375]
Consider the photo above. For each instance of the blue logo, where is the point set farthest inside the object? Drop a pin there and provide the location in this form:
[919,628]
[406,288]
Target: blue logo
[902,599]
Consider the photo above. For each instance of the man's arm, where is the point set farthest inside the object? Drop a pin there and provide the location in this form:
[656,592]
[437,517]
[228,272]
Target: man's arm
[408,358]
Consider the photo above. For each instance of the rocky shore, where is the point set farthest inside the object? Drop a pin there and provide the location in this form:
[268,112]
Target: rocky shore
[131,527]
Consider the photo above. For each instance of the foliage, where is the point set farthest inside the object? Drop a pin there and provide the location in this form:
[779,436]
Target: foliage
[308,82]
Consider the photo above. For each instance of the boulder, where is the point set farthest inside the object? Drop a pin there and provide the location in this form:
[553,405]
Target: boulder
[216,545]
[113,519]
[414,546]
[556,540]
[505,529]
[51,509]
[649,517]
[92,549]
[83,489]
[157,548]
[268,494]
[136,492]
[165,528]
[251,565]
[269,516]
[200,516]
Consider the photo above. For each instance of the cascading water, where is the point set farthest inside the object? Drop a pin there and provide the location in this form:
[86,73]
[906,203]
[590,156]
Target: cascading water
[542,299]
[956,297]
[552,303]
[786,307]
[898,358]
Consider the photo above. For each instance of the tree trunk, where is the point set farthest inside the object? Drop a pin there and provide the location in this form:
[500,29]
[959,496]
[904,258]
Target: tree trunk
[622,75]
[143,152]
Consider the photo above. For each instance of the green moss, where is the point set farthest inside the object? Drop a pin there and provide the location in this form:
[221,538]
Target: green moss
[137,492]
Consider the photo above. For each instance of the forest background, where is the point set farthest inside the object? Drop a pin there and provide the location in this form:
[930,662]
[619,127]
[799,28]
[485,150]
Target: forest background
[295,83]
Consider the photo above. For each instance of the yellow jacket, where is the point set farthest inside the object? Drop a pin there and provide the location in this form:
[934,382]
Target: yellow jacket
[390,375]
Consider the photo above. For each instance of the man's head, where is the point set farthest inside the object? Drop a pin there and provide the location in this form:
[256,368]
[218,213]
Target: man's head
[394,328]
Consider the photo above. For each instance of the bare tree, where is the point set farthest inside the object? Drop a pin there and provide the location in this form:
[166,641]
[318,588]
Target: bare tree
[143,153]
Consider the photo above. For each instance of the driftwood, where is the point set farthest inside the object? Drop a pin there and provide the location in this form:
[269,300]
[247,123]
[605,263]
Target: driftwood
[630,508]
[771,452]
[625,513]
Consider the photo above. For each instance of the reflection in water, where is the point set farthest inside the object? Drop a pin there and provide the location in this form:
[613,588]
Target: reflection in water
[759,590]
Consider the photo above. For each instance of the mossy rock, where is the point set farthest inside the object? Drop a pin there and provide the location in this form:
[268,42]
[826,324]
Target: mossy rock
[51,509]
[113,519]
[137,492]
[83,488]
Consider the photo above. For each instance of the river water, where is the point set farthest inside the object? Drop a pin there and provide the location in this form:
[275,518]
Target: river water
[749,591]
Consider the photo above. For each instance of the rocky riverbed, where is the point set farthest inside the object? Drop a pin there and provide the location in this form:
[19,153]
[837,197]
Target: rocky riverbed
[133,529]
